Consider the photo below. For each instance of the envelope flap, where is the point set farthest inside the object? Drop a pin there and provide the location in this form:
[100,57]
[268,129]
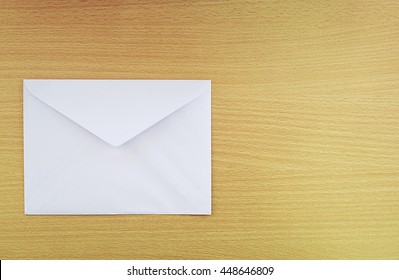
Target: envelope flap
[116,110]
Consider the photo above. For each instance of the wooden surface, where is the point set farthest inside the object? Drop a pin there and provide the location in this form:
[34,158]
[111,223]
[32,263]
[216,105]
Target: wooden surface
[305,123]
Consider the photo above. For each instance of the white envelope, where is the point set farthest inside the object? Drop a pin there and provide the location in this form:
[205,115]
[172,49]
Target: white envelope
[117,146]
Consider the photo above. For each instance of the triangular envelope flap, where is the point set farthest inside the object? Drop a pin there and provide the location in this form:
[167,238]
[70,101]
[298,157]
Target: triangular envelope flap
[116,110]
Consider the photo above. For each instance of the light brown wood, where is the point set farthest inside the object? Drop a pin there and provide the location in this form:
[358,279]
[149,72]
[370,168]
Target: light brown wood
[305,123]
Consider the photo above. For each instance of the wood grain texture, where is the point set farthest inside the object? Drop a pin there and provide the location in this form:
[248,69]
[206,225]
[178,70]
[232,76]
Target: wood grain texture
[305,123]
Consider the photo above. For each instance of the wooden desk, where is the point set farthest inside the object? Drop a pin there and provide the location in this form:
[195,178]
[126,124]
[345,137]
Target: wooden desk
[305,123]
